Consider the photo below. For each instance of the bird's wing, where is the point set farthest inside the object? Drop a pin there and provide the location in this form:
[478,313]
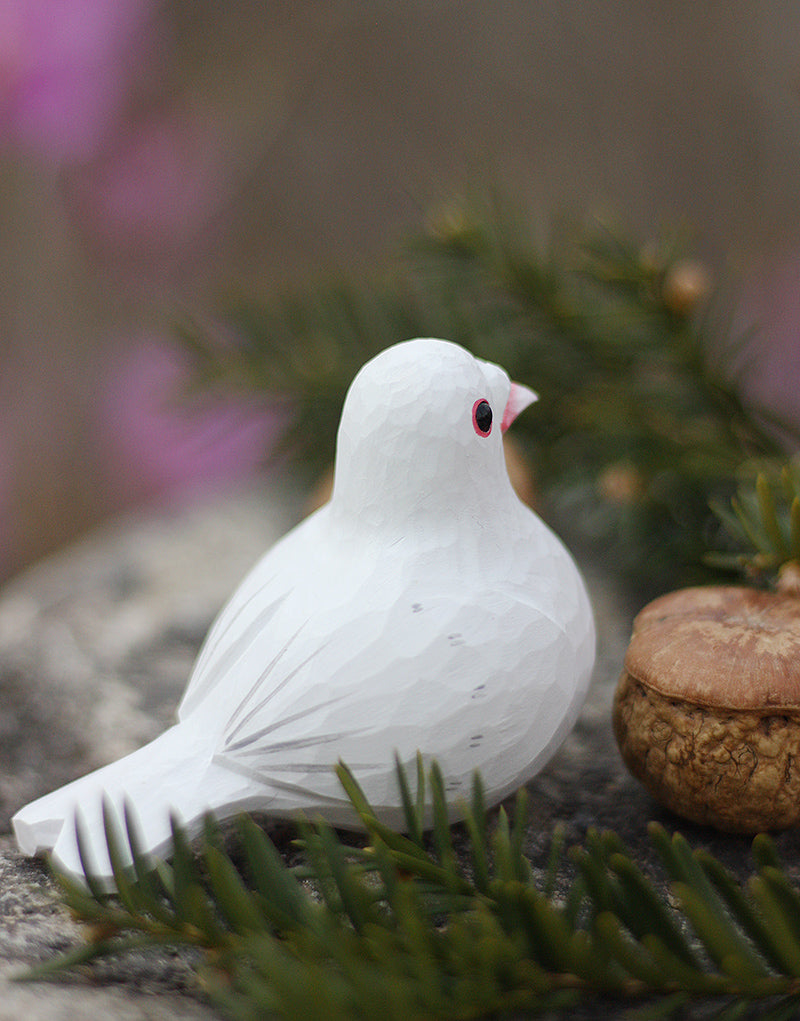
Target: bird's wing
[326,653]
[249,618]
[489,683]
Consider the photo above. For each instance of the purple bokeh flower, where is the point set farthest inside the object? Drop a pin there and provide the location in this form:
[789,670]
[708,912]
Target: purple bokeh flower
[770,312]
[156,445]
[65,66]
[156,184]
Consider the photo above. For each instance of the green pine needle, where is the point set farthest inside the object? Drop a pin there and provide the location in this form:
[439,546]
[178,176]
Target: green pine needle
[762,524]
[402,929]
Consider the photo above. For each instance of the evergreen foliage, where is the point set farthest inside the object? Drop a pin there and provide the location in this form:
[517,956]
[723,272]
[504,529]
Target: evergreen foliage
[763,525]
[641,418]
[403,928]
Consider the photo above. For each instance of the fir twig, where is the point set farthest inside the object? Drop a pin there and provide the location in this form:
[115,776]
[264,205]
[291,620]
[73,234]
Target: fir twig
[640,420]
[401,929]
[762,524]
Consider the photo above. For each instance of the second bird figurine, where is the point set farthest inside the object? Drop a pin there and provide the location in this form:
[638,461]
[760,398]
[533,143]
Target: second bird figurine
[425,607]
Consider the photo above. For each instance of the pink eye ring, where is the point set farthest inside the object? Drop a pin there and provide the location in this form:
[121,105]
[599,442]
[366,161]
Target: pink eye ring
[482,417]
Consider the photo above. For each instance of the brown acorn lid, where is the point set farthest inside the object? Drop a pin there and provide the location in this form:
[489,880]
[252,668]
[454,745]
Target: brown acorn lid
[722,647]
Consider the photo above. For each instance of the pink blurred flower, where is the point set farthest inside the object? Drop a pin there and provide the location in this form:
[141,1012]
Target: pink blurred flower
[157,445]
[145,177]
[155,185]
[770,367]
[64,71]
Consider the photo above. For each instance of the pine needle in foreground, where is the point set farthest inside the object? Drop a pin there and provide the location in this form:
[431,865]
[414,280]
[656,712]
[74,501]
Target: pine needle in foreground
[404,928]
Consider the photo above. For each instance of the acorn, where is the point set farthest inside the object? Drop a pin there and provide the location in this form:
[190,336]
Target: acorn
[707,710]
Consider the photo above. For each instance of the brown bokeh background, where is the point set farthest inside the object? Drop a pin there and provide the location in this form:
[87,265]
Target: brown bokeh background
[192,148]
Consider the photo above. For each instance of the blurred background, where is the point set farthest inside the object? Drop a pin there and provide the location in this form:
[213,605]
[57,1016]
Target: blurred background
[155,156]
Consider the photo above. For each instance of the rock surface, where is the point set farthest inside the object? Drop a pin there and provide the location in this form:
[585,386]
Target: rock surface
[96,643]
[34,926]
[95,648]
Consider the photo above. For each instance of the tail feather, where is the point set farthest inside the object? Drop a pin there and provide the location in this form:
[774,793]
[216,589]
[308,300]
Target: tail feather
[171,776]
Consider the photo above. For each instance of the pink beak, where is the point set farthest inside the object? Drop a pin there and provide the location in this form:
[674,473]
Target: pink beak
[518,400]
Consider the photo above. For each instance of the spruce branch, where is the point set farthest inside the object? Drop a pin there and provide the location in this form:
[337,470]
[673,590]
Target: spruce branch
[403,928]
[640,419]
[762,527]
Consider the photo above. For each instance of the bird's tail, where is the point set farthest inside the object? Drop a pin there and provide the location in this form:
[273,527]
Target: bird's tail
[172,776]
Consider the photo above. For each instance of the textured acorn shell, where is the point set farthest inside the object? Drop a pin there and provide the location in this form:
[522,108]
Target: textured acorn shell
[707,710]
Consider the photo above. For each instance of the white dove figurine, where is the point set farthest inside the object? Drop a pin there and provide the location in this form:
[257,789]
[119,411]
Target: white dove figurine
[425,607]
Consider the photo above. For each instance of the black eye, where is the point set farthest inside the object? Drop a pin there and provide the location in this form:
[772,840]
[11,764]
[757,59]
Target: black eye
[482,417]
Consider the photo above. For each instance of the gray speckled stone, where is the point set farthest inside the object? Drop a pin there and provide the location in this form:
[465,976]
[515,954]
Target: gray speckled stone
[34,926]
[95,648]
[96,643]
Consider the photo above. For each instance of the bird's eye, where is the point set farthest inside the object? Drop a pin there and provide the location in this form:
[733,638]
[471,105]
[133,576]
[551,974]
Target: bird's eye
[482,417]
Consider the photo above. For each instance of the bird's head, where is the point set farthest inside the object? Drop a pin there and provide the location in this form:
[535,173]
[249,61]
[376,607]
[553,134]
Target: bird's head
[421,435]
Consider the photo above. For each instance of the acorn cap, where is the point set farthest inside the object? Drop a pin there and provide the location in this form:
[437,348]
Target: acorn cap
[721,647]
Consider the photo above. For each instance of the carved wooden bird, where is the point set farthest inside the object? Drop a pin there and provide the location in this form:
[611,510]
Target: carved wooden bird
[424,607]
